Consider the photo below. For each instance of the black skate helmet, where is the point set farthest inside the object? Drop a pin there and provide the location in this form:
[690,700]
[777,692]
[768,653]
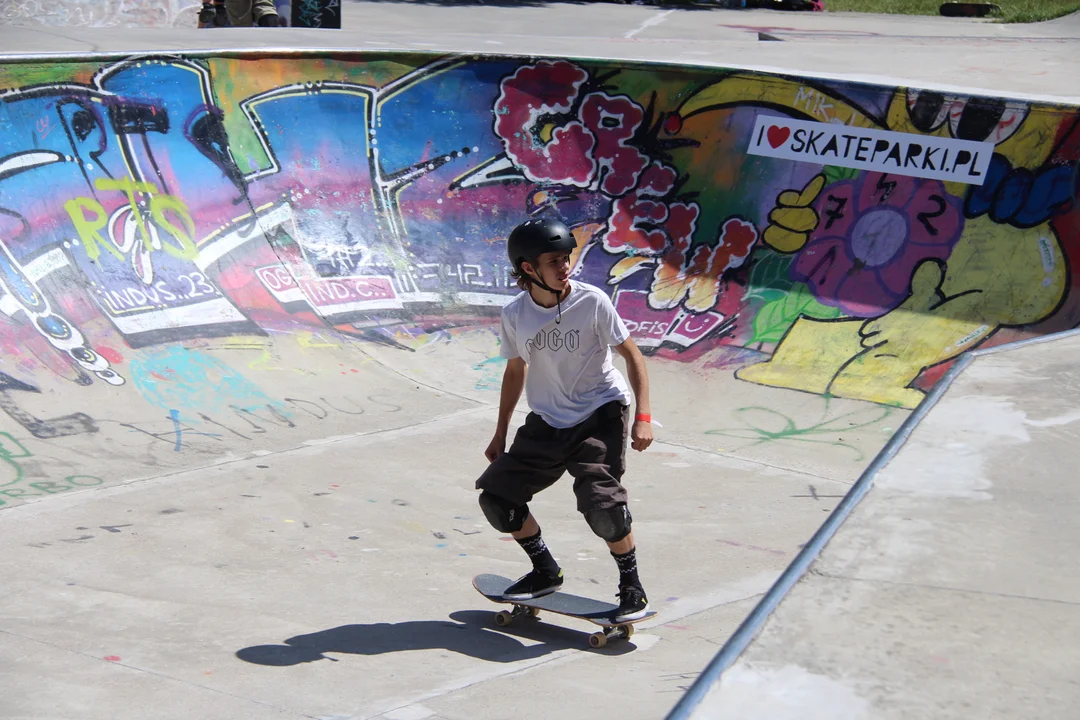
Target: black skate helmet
[533,238]
[537,236]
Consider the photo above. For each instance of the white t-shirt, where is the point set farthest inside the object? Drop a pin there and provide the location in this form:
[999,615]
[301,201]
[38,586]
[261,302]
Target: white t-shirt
[570,373]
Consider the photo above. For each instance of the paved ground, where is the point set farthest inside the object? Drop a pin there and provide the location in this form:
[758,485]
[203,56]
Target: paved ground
[1035,60]
[329,577]
[951,591]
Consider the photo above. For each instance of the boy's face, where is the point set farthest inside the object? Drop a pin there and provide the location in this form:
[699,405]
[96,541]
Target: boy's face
[553,269]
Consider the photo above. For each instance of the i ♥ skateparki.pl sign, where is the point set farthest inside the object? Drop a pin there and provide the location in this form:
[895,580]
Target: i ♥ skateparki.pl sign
[923,156]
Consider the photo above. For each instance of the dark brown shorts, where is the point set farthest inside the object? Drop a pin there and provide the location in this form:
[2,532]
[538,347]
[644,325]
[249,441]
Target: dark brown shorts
[594,453]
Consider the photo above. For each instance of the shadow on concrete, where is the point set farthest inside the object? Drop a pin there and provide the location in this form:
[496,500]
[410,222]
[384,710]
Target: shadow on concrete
[381,638]
[473,634]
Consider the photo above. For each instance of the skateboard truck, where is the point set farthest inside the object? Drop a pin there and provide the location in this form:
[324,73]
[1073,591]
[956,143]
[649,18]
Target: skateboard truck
[596,640]
[505,617]
[615,632]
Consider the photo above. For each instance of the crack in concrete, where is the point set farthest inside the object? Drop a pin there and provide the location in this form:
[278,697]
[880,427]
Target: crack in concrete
[752,461]
[928,586]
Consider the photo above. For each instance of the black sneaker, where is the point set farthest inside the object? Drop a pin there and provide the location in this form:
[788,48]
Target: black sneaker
[535,584]
[632,603]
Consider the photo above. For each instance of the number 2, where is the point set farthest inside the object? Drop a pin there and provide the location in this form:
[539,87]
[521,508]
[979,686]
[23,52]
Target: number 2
[926,217]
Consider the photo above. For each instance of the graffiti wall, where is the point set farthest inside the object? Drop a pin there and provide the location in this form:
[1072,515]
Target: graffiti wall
[835,238]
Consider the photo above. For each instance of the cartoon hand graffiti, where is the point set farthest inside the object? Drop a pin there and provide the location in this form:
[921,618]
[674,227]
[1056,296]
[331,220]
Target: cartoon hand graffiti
[922,269]
[793,218]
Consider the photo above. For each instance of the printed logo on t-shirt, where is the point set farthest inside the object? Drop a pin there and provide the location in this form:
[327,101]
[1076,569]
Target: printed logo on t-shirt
[554,340]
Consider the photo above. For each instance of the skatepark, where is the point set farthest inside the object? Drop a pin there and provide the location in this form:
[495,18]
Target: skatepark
[251,281]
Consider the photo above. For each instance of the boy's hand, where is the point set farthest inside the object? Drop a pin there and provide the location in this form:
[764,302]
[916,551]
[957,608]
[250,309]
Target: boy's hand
[495,448]
[641,435]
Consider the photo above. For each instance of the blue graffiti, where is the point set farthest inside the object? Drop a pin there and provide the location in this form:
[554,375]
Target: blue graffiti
[177,378]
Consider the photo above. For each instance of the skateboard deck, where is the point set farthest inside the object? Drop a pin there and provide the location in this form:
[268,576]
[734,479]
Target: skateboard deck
[597,612]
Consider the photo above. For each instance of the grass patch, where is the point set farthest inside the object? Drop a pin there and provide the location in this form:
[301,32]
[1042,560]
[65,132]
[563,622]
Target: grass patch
[1012,11]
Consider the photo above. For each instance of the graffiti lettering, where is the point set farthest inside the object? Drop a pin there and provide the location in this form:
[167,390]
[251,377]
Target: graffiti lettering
[533,120]
[814,102]
[63,426]
[175,431]
[12,474]
[157,202]
[306,405]
[766,425]
[316,13]
[168,213]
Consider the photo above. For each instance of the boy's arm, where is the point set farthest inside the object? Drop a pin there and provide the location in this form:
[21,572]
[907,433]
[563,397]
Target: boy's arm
[641,434]
[513,383]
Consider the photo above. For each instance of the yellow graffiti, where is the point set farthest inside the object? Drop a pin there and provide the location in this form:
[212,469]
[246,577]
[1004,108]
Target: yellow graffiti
[627,266]
[88,227]
[793,218]
[996,275]
[159,204]
[266,360]
[879,359]
[169,213]
[583,235]
[742,90]
[314,340]
[129,187]
[672,285]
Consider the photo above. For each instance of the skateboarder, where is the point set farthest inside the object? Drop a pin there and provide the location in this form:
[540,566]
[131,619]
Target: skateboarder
[563,331]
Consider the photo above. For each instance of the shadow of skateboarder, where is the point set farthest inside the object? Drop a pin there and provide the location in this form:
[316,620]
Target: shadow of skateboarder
[470,635]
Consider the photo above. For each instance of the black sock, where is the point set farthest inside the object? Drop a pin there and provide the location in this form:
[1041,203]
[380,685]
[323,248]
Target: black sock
[627,568]
[538,552]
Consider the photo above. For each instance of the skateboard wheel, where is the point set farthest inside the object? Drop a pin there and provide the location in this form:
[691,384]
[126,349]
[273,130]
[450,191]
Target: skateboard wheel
[629,631]
[534,612]
[503,618]
[597,640]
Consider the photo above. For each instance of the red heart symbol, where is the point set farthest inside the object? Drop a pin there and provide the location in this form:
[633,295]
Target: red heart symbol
[778,135]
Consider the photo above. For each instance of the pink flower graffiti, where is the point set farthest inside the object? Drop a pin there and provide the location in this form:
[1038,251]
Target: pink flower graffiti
[556,132]
[872,234]
[642,223]
[552,143]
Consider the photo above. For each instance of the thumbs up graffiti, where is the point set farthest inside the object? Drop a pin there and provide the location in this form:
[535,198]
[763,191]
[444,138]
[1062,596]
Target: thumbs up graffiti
[792,220]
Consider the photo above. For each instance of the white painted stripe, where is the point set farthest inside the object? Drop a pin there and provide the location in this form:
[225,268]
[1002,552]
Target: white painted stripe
[342,308]
[222,246]
[211,312]
[9,305]
[45,264]
[25,161]
[292,295]
[1065,419]
[654,20]
[418,297]
[487,299]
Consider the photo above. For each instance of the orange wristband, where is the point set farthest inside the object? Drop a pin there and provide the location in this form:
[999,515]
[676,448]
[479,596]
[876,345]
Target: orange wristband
[643,417]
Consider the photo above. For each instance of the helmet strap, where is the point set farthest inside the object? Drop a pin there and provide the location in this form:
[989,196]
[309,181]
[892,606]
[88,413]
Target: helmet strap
[558,295]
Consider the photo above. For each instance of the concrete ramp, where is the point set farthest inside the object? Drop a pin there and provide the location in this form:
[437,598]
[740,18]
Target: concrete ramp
[250,359]
[950,592]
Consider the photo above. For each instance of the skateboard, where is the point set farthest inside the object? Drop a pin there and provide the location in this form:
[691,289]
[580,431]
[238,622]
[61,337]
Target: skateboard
[595,611]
